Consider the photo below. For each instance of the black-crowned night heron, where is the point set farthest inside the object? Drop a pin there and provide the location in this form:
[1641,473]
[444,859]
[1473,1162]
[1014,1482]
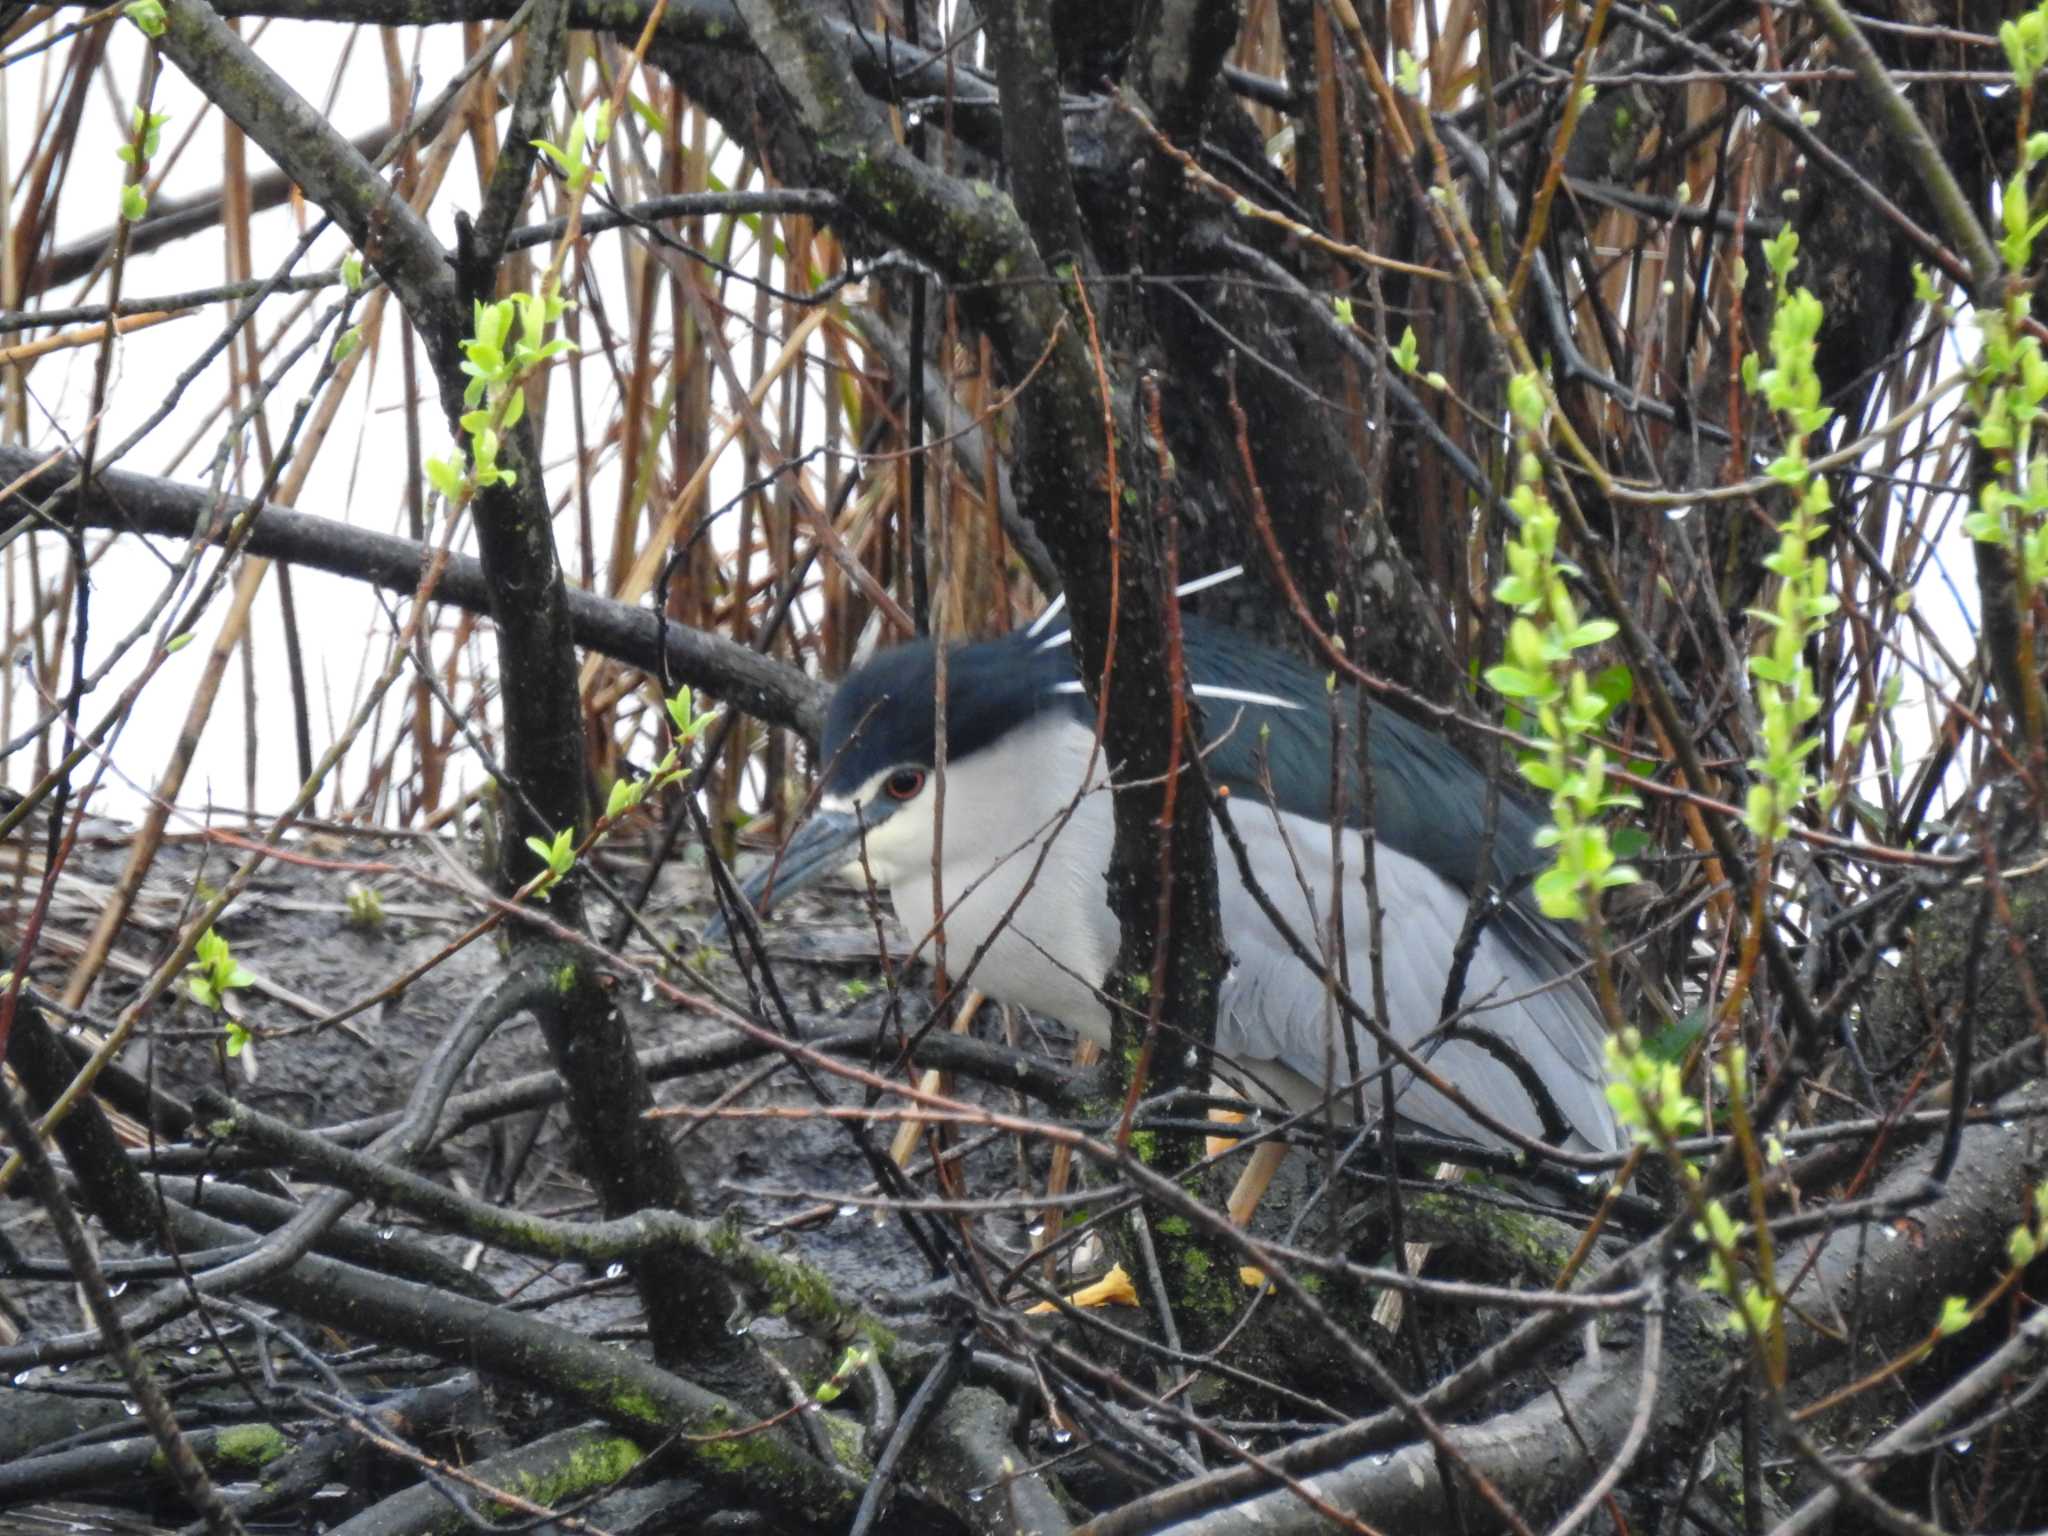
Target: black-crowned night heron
[1026,848]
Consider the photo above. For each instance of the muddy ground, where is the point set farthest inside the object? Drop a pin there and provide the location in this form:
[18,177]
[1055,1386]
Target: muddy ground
[303,929]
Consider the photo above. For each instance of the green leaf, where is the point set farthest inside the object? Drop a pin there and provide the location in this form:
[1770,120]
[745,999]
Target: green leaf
[2022,1248]
[620,800]
[655,122]
[1615,684]
[1987,528]
[1517,683]
[689,719]
[134,202]
[1592,632]
[1631,842]
[446,476]
[1955,1316]
[1406,355]
[1674,1040]
[1557,894]
[149,15]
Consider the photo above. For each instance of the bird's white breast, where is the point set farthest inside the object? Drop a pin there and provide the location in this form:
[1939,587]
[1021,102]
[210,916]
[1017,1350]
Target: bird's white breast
[1023,877]
[1023,868]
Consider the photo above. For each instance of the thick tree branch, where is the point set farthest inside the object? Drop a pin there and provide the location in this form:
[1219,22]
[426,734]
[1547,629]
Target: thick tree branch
[1937,180]
[392,238]
[761,686]
[538,69]
[1034,132]
[1072,486]
[760,1465]
[1542,1453]
[886,66]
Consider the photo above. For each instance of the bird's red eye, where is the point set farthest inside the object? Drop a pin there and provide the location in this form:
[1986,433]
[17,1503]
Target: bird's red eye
[904,784]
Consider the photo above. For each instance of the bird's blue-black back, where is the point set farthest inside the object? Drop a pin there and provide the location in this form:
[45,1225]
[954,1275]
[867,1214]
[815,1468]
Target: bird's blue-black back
[1429,800]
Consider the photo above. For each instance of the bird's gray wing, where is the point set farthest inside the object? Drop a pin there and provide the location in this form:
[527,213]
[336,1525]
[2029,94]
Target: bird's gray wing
[1269,719]
[1524,1026]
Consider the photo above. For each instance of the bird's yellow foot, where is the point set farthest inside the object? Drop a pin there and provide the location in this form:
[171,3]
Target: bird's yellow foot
[1112,1290]
[1218,1145]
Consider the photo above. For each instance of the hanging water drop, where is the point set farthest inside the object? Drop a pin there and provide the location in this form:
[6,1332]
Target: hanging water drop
[976,1495]
[849,1209]
[130,1407]
[614,1271]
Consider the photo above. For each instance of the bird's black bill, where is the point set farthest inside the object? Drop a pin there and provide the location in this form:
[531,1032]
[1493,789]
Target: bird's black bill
[821,845]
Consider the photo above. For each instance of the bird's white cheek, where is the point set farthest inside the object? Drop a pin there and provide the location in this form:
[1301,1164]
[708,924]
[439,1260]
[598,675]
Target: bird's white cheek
[897,846]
